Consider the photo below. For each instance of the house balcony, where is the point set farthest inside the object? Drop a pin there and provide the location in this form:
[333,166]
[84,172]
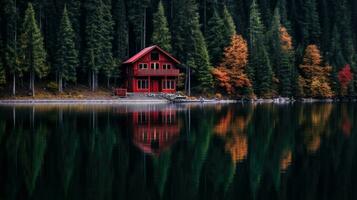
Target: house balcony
[157,72]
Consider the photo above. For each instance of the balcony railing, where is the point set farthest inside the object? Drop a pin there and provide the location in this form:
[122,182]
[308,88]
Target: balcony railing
[157,72]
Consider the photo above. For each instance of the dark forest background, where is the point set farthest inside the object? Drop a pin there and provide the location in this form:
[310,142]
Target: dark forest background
[73,42]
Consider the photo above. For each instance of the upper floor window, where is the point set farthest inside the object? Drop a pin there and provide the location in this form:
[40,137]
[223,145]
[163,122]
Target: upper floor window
[166,66]
[143,66]
[154,65]
[155,55]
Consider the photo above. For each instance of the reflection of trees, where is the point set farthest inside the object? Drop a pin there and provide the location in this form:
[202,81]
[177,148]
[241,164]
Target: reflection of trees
[232,128]
[67,143]
[99,163]
[189,157]
[31,154]
[314,122]
[161,166]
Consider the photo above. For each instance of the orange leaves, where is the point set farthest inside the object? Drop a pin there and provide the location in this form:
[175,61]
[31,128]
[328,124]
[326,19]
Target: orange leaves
[236,55]
[314,79]
[312,55]
[223,79]
[230,74]
[286,40]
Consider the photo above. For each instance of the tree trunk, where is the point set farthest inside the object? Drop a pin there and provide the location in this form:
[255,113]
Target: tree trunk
[14,84]
[108,82]
[60,85]
[93,81]
[33,83]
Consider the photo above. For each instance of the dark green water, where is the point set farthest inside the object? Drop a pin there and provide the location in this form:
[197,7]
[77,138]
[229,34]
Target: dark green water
[179,152]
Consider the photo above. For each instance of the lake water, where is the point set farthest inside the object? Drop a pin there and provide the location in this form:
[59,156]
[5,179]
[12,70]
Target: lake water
[300,151]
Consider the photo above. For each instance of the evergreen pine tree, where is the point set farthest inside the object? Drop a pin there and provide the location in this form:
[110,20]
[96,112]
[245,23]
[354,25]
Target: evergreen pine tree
[229,26]
[311,22]
[33,53]
[99,30]
[109,63]
[215,38]
[189,44]
[121,33]
[259,69]
[67,56]
[2,67]
[10,50]
[161,34]
[137,17]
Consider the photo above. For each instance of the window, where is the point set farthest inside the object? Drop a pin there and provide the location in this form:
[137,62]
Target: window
[166,66]
[154,65]
[168,84]
[143,84]
[155,55]
[143,66]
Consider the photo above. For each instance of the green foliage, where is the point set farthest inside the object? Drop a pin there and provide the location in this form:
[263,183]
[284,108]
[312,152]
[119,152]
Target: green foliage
[67,56]
[229,26]
[121,32]
[99,29]
[2,73]
[190,46]
[259,69]
[161,35]
[33,54]
[215,38]
[312,28]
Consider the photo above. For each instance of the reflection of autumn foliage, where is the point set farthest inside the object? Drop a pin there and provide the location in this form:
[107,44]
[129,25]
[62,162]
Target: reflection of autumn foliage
[230,74]
[346,122]
[345,77]
[315,120]
[285,161]
[238,147]
[224,124]
[232,129]
[314,78]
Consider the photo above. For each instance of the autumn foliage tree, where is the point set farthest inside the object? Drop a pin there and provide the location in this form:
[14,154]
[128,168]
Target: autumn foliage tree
[314,76]
[345,77]
[230,74]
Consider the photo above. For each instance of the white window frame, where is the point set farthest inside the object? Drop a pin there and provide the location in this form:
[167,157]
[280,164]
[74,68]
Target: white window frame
[166,66]
[143,66]
[156,65]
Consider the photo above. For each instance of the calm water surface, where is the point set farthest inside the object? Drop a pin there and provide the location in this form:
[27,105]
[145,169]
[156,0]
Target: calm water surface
[179,152]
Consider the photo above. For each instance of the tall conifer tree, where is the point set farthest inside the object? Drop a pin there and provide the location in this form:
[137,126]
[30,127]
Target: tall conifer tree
[259,69]
[10,50]
[161,34]
[67,55]
[32,47]
[215,38]
[189,44]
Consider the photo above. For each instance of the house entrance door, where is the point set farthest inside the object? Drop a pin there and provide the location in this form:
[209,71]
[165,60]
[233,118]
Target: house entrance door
[154,85]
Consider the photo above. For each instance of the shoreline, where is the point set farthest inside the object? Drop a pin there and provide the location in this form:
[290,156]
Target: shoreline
[126,101]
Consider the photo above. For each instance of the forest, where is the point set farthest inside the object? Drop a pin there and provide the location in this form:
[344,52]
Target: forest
[240,48]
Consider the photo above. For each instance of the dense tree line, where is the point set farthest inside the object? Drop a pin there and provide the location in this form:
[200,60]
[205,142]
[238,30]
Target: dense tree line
[84,42]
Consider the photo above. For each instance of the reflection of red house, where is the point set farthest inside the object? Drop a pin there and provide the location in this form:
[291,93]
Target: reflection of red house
[151,70]
[155,131]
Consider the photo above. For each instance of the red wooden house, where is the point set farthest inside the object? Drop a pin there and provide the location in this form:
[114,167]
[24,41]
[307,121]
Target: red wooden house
[151,70]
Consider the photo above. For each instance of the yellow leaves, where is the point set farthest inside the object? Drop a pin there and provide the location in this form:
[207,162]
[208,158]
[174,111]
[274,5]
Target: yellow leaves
[314,79]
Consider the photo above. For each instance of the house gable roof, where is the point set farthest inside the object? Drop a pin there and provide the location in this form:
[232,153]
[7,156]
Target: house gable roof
[147,50]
